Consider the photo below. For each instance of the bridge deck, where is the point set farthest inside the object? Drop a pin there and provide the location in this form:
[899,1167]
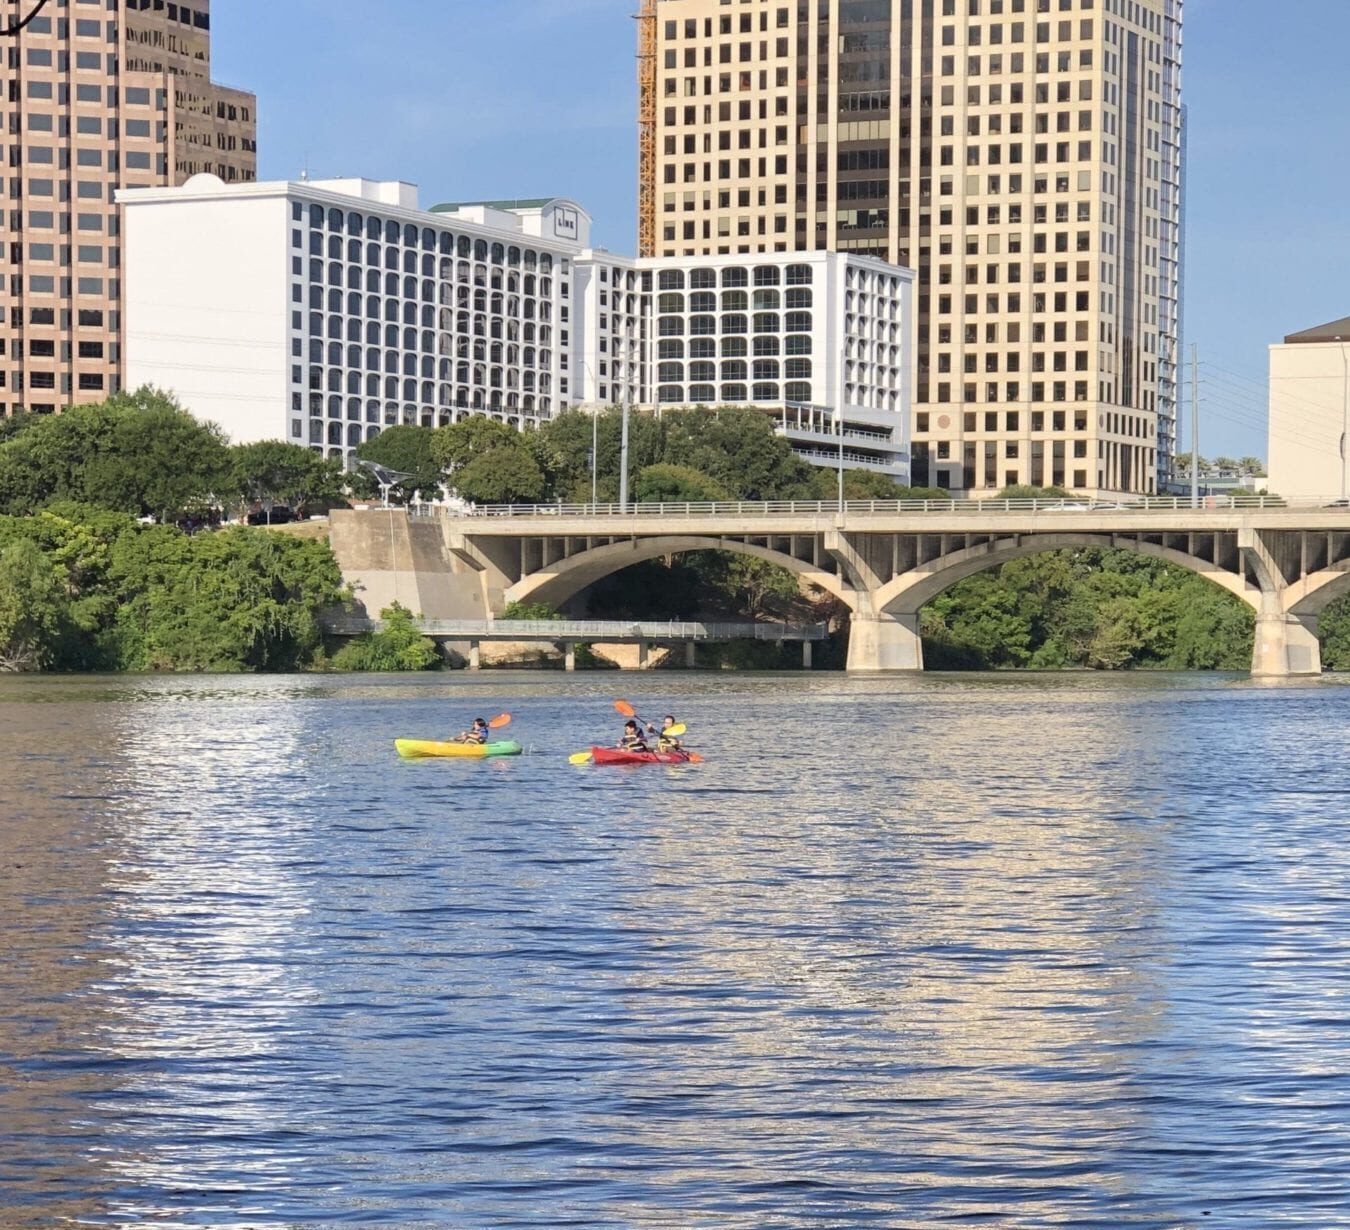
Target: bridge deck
[602,630]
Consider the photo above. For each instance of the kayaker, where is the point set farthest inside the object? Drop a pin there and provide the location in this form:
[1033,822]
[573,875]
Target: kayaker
[633,740]
[477,733]
[665,742]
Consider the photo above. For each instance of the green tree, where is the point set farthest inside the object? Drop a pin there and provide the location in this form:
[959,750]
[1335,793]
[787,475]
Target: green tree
[406,450]
[670,484]
[756,581]
[1088,608]
[1023,491]
[568,441]
[33,607]
[862,484]
[530,610]
[12,425]
[272,472]
[738,448]
[456,445]
[503,475]
[137,452]
[1253,466]
[232,601]
[397,646]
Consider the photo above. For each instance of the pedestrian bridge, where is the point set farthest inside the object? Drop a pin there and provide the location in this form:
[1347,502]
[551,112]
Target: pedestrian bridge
[886,559]
[567,634]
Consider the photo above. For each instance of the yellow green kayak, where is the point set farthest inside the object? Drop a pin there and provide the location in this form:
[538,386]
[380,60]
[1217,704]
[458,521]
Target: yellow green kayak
[418,749]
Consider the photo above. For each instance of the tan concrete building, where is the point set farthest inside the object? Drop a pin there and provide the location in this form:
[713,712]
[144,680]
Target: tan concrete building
[1310,413]
[97,96]
[1024,156]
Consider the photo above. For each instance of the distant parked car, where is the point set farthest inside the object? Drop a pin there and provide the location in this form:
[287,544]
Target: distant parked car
[279,515]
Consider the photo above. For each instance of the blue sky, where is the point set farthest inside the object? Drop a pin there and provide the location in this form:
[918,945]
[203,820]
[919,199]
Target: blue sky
[537,97]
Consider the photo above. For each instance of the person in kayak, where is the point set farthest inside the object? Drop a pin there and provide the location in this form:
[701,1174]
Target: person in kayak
[665,742]
[477,733]
[633,740]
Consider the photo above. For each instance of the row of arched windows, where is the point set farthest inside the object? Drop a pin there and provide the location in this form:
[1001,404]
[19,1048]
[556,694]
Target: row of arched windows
[735,275]
[734,322]
[709,394]
[735,369]
[354,225]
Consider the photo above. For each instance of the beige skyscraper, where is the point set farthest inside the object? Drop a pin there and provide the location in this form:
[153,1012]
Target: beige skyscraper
[1024,156]
[97,96]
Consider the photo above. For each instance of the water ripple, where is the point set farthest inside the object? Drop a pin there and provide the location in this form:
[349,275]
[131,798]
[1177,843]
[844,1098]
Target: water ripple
[1063,951]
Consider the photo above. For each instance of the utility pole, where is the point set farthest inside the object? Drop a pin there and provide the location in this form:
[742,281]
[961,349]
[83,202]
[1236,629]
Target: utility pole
[1345,417]
[1195,427]
[623,457]
[839,420]
[595,455]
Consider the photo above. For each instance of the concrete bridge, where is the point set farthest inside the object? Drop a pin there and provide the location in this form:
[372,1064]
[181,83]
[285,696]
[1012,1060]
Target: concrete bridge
[886,559]
[567,634]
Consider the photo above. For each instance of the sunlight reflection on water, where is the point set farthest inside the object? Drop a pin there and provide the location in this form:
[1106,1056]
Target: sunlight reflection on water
[1003,950]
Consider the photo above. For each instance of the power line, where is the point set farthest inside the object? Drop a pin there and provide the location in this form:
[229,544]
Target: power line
[17,28]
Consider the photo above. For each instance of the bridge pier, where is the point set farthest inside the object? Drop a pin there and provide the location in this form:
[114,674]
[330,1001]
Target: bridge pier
[1286,646]
[644,656]
[569,656]
[806,655]
[475,656]
[690,655]
[884,643]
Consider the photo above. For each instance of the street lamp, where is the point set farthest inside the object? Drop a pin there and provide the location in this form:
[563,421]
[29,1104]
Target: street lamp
[385,477]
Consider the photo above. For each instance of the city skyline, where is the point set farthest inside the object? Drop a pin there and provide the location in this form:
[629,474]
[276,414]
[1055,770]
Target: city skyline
[560,130]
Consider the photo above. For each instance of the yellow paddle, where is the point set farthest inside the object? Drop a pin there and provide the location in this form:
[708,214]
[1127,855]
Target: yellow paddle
[629,712]
[674,733]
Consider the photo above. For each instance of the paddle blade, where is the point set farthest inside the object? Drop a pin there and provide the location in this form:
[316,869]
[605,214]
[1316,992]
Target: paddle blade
[695,758]
[502,719]
[625,708]
[579,758]
[674,732]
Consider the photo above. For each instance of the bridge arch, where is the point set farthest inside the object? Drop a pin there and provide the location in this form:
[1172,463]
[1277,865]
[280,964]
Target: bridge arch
[1309,597]
[909,592]
[557,582]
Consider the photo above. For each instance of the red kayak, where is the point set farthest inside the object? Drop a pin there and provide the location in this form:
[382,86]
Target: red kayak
[615,755]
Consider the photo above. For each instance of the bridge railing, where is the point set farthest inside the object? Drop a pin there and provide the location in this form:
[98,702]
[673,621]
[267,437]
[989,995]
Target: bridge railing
[342,624]
[974,507]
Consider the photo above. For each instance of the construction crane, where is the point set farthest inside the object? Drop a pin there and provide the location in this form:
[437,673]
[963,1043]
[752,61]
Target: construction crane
[15,28]
[647,129]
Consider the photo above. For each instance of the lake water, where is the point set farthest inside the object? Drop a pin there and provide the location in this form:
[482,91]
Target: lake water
[1009,951]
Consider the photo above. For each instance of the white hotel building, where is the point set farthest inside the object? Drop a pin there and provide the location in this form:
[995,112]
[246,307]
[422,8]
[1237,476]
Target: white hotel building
[320,312]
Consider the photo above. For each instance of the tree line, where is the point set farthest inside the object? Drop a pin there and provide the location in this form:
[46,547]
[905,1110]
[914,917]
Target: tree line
[85,586]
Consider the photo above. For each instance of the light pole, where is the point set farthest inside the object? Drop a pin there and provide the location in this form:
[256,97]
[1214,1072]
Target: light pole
[595,454]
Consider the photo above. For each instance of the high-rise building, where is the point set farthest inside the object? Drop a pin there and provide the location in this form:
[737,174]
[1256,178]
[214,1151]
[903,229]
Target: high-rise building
[97,96]
[322,312]
[1024,156]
